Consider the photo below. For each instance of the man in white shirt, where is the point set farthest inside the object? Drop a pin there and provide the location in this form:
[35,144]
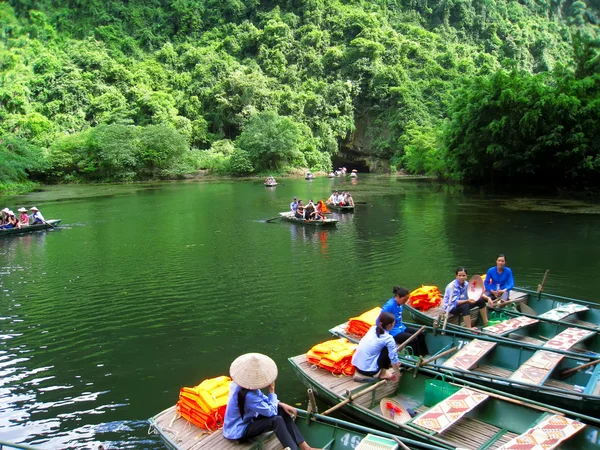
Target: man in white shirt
[36,217]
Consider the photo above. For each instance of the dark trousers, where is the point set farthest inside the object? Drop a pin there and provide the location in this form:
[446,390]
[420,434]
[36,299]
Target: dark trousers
[418,345]
[282,425]
[465,308]
[383,362]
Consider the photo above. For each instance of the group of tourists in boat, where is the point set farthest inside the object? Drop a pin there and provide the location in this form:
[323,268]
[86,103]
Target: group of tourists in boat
[270,181]
[340,199]
[310,211]
[342,172]
[250,412]
[8,219]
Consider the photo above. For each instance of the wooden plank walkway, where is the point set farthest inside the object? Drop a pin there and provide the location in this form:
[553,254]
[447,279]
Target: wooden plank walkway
[186,436]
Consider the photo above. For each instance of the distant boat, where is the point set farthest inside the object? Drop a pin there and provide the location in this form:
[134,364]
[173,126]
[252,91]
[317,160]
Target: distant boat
[271,184]
[30,228]
[339,208]
[331,175]
[309,176]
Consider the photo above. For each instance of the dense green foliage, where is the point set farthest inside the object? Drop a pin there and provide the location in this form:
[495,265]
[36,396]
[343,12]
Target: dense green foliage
[111,90]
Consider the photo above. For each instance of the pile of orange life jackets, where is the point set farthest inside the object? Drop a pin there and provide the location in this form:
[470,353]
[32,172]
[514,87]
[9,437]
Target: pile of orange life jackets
[361,324]
[334,355]
[425,297]
[204,405]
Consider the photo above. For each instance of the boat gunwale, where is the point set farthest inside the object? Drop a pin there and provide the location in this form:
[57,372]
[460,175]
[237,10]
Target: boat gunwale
[543,294]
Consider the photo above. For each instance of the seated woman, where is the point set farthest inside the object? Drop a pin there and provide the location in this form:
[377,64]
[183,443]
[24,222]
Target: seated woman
[23,217]
[349,199]
[377,351]
[299,214]
[12,221]
[401,332]
[456,299]
[499,280]
[250,413]
[309,210]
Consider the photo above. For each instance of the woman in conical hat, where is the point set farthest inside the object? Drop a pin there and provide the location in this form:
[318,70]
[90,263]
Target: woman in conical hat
[251,413]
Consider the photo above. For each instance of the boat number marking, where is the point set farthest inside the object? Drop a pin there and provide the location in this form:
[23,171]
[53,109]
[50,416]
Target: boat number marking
[350,440]
[461,344]
[593,437]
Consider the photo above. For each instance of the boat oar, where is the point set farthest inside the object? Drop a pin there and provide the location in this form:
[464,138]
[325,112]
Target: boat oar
[271,220]
[424,362]
[540,287]
[49,224]
[353,397]
[566,373]
[360,203]
[408,341]
[400,443]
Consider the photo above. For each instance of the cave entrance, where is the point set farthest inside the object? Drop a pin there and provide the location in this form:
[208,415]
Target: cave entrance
[360,166]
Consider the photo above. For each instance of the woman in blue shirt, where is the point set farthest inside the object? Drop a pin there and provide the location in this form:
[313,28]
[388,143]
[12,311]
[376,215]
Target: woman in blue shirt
[499,280]
[401,332]
[377,350]
[456,299]
[250,413]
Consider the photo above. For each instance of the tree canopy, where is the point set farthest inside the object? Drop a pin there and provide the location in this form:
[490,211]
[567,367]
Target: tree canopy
[468,89]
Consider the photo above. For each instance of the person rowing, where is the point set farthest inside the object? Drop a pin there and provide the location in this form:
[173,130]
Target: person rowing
[250,413]
[36,217]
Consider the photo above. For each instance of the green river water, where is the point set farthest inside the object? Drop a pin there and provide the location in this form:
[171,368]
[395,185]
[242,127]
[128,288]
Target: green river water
[148,288]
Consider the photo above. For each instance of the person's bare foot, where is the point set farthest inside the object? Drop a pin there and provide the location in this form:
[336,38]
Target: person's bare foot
[385,375]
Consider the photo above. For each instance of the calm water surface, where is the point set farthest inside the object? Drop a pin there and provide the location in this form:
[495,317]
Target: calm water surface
[148,288]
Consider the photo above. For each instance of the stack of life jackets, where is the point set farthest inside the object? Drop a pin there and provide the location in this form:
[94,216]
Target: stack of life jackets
[425,297]
[334,355]
[361,324]
[204,405]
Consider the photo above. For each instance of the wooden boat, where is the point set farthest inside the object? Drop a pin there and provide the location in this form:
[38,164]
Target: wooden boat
[320,431]
[289,216]
[478,418]
[515,367]
[270,184]
[309,176]
[339,208]
[555,319]
[30,228]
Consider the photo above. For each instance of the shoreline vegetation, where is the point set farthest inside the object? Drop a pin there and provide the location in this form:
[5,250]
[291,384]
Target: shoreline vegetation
[467,91]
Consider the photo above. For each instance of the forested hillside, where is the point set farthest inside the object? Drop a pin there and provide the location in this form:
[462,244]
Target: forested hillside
[476,90]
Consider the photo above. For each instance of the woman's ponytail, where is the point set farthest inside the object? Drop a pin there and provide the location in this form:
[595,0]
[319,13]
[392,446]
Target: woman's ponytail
[384,321]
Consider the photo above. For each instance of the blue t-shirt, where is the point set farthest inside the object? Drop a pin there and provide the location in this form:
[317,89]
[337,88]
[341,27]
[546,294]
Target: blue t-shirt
[496,281]
[256,404]
[393,307]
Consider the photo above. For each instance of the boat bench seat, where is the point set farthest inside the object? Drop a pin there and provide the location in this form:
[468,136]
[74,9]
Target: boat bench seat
[568,338]
[468,356]
[538,368]
[547,434]
[449,411]
[509,326]
[563,311]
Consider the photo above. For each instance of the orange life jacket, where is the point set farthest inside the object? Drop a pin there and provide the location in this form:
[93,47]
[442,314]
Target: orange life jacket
[204,405]
[425,297]
[361,324]
[334,355]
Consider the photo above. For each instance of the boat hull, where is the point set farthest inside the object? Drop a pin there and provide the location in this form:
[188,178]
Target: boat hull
[30,229]
[341,209]
[309,223]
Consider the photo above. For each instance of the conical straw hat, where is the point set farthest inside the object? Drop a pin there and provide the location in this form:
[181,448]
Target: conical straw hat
[393,410]
[253,371]
[475,290]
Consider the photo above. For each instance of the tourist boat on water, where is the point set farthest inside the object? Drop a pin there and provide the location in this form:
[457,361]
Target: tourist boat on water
[553,377]
[451,413]
[30,228]
[309,176]
[320,431]
[289,216]
[271,184]
[546,327]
